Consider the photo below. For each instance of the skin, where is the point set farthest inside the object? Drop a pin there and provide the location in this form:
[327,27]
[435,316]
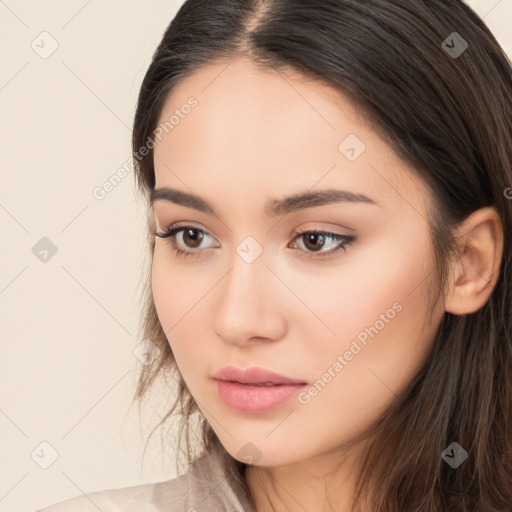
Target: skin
[257,135]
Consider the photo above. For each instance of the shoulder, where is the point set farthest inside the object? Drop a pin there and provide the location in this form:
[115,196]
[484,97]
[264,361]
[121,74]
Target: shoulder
[207,485]
[138,498]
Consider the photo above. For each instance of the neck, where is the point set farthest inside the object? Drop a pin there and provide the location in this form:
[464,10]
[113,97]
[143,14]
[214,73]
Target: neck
[323,483]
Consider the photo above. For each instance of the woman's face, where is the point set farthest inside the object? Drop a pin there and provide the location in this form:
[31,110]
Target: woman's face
[354,325]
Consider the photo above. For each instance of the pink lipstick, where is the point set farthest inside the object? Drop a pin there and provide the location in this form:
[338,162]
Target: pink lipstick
[254,389]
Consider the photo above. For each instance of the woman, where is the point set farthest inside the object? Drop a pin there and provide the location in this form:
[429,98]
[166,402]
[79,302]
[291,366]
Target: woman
[376,374]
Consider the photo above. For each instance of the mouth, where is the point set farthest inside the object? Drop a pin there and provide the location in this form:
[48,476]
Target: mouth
[254,376]
[255,398]
[255,390]
[256,384]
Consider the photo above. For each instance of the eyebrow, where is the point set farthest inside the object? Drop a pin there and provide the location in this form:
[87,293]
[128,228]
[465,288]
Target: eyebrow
[274,208]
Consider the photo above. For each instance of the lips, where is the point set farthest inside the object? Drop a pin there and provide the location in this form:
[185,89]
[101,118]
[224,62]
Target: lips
[255,376]
[255,390]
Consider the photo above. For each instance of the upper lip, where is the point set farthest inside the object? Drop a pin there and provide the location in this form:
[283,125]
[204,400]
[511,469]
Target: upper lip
[253,375]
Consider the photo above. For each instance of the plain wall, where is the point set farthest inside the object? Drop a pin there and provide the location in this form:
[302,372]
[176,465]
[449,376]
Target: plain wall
[69,324]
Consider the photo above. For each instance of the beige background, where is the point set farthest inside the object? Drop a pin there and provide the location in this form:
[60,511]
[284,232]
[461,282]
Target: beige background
[69,325]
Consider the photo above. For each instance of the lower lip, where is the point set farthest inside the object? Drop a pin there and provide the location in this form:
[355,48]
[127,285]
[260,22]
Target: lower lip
[255,399]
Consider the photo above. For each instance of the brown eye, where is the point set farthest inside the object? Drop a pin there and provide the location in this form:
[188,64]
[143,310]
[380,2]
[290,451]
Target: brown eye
[192,237]
[189,238]
[313,241]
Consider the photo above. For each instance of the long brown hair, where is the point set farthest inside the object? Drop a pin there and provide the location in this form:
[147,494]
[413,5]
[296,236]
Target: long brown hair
[443,101]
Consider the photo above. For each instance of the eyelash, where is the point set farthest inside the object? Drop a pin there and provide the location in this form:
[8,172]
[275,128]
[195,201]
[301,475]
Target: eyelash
[345,240]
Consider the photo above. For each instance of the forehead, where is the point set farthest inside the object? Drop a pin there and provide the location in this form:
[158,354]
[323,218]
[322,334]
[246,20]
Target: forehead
[271,132]
[270,115]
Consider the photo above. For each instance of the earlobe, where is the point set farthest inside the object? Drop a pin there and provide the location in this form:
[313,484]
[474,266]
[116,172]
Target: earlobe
[475,273]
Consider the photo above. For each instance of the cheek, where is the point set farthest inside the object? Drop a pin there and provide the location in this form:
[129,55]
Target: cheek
[376,309]
[162,288]
[378,316]
[174,293]
[377,278]
[177,298]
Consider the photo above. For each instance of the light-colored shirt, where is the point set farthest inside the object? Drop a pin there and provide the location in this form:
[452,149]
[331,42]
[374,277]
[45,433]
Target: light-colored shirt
[207,486]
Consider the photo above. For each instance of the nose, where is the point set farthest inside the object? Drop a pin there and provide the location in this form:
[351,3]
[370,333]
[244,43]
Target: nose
[248,304]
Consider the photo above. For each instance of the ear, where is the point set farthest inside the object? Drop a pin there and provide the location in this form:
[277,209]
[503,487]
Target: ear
[474,275]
